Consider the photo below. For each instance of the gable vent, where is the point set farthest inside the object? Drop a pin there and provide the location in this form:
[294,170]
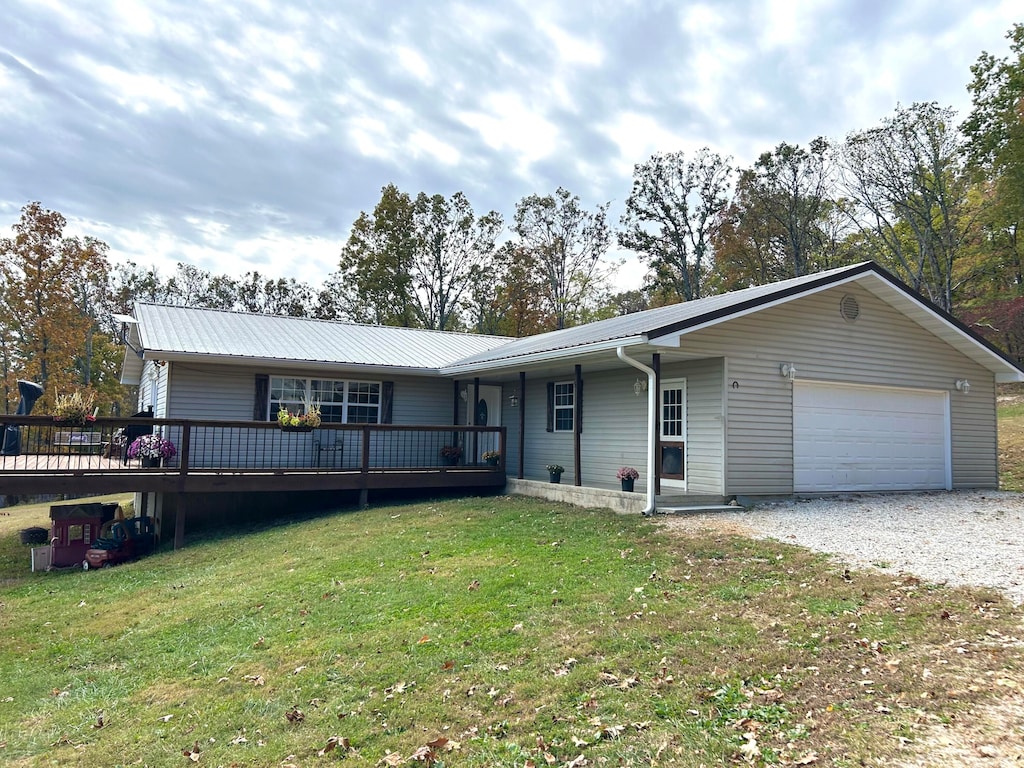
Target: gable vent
[849,308]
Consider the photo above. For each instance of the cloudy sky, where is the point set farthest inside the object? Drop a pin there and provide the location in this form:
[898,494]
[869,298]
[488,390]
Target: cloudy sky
[243,135]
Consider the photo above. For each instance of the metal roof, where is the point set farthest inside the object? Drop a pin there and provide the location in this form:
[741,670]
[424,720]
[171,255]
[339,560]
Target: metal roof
[638,327]
[664,325]
[167,332]
[171,332]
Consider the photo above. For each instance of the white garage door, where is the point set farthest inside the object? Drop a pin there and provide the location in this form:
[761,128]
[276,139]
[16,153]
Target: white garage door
[850,438]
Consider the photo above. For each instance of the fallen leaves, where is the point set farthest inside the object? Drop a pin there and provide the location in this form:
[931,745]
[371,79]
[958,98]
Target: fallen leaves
[295,715]
[192,753]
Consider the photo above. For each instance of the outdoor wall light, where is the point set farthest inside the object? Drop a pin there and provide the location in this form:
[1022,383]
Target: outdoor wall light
[513,399]
[963,385]
[787,371]
[639,386]
[464,394]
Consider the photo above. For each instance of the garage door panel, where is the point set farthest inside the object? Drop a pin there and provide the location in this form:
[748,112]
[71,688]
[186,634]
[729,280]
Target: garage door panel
[848,438]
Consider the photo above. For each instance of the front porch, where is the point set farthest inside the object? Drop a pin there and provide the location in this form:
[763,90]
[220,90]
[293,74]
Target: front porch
[607,496]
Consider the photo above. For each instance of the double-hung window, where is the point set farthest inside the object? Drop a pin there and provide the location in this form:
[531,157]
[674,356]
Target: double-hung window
[341,402]
[565,406]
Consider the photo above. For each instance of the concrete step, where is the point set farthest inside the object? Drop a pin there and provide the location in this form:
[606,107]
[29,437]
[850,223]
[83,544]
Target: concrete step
[690,509]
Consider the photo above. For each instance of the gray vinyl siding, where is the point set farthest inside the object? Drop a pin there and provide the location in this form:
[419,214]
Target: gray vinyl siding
[705,426]
[883,347]
[228,393]
[615,427]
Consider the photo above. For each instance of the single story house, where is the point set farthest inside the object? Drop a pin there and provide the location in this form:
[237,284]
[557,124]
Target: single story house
[844,380]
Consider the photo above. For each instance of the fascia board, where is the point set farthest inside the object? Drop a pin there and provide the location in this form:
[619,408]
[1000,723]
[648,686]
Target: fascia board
[1005,370]
[277,363]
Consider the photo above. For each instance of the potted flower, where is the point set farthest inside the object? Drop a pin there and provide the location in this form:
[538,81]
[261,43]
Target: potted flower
[451,454]
[555,472]
[492,457]
[76,409]
[299,422]
[628,476]
[151,449]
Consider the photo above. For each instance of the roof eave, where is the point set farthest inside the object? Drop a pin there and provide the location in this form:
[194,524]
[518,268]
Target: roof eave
[288,363]
[537,358]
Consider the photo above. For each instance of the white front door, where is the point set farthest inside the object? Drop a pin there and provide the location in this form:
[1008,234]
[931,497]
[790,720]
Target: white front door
[486,413]
[672,419]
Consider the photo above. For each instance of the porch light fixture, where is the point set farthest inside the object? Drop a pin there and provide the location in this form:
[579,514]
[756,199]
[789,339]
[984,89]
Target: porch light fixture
[639,386]
[787,371]
[513,399]
[963,385]
[464,394]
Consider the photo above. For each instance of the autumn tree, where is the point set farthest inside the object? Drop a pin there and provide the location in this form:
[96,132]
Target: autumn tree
[670,215]
[994,131]
[507,294]
[567,243]
[375,269]
[265,295]
[48,289]
[907,178]
[788,189]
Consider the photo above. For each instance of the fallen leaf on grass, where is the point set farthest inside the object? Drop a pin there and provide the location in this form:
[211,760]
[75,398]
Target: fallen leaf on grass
[166,718]
[577,762]
[255,679]
[423,640]
[474,585]
[295,715]
[332,743]
[810,757]
[448,665]
[192,753]
[750,750]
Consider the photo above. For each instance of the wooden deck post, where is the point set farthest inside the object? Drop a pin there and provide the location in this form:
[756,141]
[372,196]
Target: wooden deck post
[179,521]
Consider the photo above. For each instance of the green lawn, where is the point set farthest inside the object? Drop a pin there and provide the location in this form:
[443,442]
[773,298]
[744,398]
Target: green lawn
[485,632]
[1011,444]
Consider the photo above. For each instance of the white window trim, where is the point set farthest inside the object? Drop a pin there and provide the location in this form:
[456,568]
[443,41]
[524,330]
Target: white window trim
[272,414]
[571,408]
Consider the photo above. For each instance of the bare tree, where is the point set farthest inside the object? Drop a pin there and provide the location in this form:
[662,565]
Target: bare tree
[908,181]
[568,243]
[671,214]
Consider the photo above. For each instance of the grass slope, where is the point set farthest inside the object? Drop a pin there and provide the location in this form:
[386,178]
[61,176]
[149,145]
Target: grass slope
[1011,442]
[486,632]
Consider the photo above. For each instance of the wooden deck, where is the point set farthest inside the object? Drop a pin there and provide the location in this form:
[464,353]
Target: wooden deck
[231,457]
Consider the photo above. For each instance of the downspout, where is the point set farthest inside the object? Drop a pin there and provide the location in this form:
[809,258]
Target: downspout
[652,424]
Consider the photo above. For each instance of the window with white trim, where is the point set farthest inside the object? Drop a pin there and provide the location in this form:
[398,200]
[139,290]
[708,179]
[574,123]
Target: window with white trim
[565,405]
[341,402]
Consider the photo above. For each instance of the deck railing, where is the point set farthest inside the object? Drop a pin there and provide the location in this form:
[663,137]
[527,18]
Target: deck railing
[37,444]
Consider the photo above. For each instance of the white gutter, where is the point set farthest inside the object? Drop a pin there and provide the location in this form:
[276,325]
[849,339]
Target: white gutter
[652,425]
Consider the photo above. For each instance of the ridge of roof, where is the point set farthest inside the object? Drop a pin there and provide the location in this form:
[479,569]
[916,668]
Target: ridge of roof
[317,320]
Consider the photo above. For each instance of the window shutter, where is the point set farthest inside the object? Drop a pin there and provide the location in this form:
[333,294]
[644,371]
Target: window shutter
[551,407]
[261,401]
[387,400]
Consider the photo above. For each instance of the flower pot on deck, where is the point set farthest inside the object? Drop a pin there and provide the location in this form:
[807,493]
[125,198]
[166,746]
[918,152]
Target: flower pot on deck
[555,477]
[627,484]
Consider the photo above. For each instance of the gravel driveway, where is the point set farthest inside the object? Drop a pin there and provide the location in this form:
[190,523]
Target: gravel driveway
[959,537]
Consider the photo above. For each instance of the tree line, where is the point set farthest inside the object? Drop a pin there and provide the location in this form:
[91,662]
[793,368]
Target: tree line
[937,202]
